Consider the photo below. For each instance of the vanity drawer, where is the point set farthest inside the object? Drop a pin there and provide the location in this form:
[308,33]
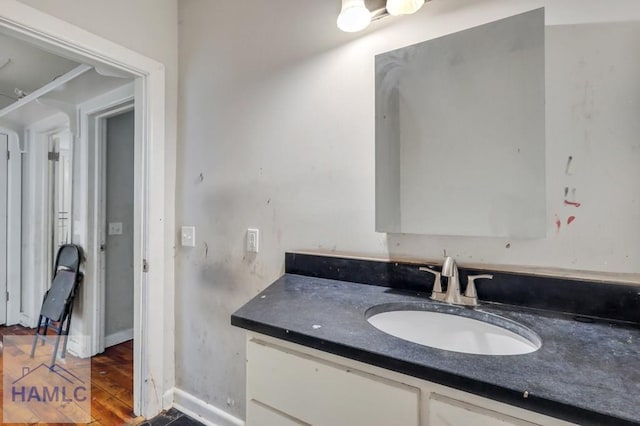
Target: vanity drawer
[445,411]
[321,393]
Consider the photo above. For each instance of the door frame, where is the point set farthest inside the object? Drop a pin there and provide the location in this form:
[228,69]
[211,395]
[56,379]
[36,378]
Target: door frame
[100,137]
[51,196]
[154,311]
[93,116]
[36,256]
[4,214]
[14,226]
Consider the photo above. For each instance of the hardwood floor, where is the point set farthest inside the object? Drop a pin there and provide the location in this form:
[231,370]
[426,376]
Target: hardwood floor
[111,383]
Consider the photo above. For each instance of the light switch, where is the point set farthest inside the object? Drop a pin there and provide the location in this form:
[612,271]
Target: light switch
[253,240]
[188,236]
[115,228]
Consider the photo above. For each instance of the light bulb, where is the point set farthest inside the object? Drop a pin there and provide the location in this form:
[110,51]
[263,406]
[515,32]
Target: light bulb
[403,7]
[354,16]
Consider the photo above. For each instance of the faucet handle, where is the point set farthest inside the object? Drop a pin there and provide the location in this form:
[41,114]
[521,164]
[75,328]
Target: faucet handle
[437,283]
[470,291]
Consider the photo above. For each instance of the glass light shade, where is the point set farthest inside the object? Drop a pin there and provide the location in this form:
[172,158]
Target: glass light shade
[403,7]
[354,16]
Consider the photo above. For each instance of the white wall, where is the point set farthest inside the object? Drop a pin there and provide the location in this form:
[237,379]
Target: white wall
[277,132]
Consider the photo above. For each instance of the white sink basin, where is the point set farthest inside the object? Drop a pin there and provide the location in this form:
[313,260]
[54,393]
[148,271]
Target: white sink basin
[457,333]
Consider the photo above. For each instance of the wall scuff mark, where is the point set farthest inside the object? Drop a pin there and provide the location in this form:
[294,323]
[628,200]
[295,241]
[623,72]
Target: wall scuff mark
[567,170]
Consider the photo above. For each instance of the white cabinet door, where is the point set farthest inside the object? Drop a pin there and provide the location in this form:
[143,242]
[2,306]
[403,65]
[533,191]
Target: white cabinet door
[444,411]
[291,385]
[321,393]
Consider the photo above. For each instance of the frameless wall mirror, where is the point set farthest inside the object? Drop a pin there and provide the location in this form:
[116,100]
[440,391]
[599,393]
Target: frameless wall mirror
[460,133]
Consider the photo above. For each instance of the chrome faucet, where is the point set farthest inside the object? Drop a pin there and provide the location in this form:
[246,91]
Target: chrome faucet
[437,293]
[453,294]
[450,270]
[470,297]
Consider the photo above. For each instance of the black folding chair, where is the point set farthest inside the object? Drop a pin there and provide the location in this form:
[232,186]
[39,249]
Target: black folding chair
[57,305]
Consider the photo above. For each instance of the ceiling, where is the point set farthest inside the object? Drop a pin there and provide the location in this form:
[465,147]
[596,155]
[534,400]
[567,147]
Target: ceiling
[27,68]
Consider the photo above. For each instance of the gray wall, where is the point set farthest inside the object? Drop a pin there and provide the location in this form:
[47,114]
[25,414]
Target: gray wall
[119,254]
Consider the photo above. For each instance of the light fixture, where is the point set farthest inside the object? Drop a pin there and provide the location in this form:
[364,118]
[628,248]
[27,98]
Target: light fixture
[403,7]
[354,16]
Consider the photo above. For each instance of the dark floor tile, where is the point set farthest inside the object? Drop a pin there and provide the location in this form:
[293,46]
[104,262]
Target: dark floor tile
[185,421]
[172,412]
[160,421]
[165,418]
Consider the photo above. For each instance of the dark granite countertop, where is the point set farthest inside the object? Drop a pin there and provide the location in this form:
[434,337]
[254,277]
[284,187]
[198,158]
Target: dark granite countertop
[587,373]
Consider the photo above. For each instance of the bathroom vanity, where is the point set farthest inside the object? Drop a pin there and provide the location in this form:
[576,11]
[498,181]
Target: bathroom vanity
[314,358]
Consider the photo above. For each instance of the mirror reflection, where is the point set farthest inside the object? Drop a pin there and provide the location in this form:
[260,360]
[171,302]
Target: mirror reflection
[460,133]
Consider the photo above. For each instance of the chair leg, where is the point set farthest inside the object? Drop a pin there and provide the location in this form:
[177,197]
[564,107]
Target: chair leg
[35,340]
[66,331]
[55,351]
[44,333]
[64,346]
[36,337]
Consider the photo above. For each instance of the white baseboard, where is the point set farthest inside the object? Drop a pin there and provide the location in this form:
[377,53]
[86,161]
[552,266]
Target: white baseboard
[167,399]
[27,321]
[118,337]
[202,411]
[76,348]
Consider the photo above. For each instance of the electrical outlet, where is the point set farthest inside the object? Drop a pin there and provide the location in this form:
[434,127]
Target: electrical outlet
[188,236]
[253,240]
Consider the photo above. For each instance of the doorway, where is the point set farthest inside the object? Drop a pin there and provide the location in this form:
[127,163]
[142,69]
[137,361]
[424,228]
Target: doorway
[111,128]
[118,244]
[153,262]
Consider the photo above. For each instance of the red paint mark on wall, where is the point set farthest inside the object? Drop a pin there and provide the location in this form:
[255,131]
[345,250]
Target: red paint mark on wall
[572,203]
[558,223]
[570,219]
